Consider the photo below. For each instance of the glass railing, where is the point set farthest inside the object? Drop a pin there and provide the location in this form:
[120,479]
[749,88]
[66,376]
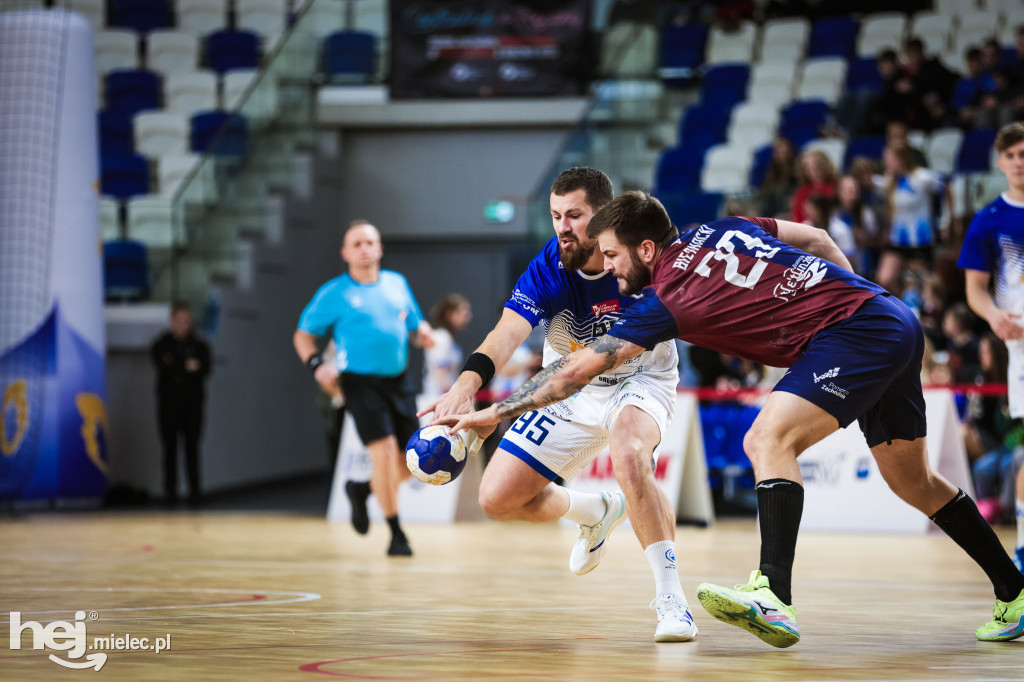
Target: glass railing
[230,198]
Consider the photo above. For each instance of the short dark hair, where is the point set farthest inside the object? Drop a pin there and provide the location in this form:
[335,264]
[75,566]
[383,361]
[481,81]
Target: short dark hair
[596,185]
[634,217]
[179,305]
[1009,135]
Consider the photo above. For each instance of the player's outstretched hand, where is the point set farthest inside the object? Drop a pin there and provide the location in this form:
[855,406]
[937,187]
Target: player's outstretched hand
[483,422]
[454,403]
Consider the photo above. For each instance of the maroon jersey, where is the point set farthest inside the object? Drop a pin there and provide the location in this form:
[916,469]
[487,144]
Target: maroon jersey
[732,286]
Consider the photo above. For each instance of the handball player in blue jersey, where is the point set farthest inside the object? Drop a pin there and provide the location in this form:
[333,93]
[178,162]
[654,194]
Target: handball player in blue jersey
[372,315]
[993,254]
[782,294]
[566,289]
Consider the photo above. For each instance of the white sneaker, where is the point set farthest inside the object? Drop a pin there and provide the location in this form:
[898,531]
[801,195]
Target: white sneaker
[675,622]
[586,553]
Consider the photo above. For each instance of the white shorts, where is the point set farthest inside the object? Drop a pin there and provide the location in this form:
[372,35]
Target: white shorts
[561,439]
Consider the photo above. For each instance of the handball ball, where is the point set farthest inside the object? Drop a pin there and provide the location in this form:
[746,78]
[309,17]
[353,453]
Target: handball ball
[434,456]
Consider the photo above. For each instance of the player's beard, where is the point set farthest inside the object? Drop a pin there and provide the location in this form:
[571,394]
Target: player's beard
[638,277]
[575,258]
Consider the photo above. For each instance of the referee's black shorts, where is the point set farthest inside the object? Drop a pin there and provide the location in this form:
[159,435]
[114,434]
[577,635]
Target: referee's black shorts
[381,406]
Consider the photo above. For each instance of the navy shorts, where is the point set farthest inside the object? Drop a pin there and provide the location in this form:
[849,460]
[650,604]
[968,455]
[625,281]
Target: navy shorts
[866,368]
[381,406]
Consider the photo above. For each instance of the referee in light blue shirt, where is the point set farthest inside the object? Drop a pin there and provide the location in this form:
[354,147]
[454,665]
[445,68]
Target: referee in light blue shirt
[373,316]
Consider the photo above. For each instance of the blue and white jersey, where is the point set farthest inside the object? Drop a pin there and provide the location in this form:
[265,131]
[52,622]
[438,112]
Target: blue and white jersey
[575,309]
[995,244]
[912,220]
[371,322]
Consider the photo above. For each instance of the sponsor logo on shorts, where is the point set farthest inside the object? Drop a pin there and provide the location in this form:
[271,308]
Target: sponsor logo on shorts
[831,374]
[835,390]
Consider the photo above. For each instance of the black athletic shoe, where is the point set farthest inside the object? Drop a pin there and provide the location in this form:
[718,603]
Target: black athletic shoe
[357,493]
[399,546]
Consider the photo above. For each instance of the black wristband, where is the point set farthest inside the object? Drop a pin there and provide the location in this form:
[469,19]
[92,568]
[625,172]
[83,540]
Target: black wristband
[482,364]
[314,361]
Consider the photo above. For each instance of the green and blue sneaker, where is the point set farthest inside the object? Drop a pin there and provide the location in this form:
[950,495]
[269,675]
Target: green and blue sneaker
[1007,621]
[753,607]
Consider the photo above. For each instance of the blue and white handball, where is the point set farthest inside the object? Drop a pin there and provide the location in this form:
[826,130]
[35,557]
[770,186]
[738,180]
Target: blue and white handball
[434,456]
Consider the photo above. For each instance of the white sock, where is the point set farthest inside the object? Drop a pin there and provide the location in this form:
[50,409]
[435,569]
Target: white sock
[662,558]
[585,509]
[1020,523]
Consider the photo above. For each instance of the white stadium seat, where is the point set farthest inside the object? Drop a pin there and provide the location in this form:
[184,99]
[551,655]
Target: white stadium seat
[116,48]
[161,132]
[150,221]
[732,46]
[943,148]
[880,31]
[189,92]
[170,51]
[200,17]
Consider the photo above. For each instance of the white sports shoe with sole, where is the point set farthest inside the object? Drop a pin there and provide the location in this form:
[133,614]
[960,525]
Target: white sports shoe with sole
[586,553]
[675,622]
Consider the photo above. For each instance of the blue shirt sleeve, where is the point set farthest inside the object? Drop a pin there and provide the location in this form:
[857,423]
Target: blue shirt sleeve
[320,315]
[977,252]
[646,322]
[415,316]
[533,293]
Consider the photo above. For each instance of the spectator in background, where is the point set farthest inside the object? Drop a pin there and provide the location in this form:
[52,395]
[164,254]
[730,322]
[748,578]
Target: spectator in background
[972,88]
[443,362]
[372,316]
[991,57]
[985,431]
[1015,71]
[931,84]
[182,362]
[933,308]
[863,170]
[862,222]
[817,175]
[961,342]
[897,92]
[780,180]
[910,192]
[898,134]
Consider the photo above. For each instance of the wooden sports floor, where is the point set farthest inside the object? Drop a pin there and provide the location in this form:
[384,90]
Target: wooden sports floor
[290,597]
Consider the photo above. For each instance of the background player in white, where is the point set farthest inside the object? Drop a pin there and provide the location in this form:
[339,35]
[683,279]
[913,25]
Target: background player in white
[994,245]
[566,288]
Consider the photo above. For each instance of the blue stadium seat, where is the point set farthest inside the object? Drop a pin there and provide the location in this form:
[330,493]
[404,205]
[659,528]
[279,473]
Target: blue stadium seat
[759,166]
[220,133]
[682,51]
[685,208]
[870,147]
[349,55]
[125,270]
[133,90]
[834,37]
[708,119]
[227,50]
[801,120]
[116,134]
[141,15]
[678,171]
[725,85]
[976,151]
[862,75]
[124,176]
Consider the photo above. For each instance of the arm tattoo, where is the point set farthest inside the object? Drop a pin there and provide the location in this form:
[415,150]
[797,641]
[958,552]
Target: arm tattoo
[550,386]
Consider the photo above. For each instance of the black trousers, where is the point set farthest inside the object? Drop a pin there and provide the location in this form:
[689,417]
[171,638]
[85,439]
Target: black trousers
[180,416]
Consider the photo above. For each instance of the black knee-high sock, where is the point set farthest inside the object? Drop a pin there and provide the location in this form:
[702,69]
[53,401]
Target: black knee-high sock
[961,520]
[396,530]
[780,503]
